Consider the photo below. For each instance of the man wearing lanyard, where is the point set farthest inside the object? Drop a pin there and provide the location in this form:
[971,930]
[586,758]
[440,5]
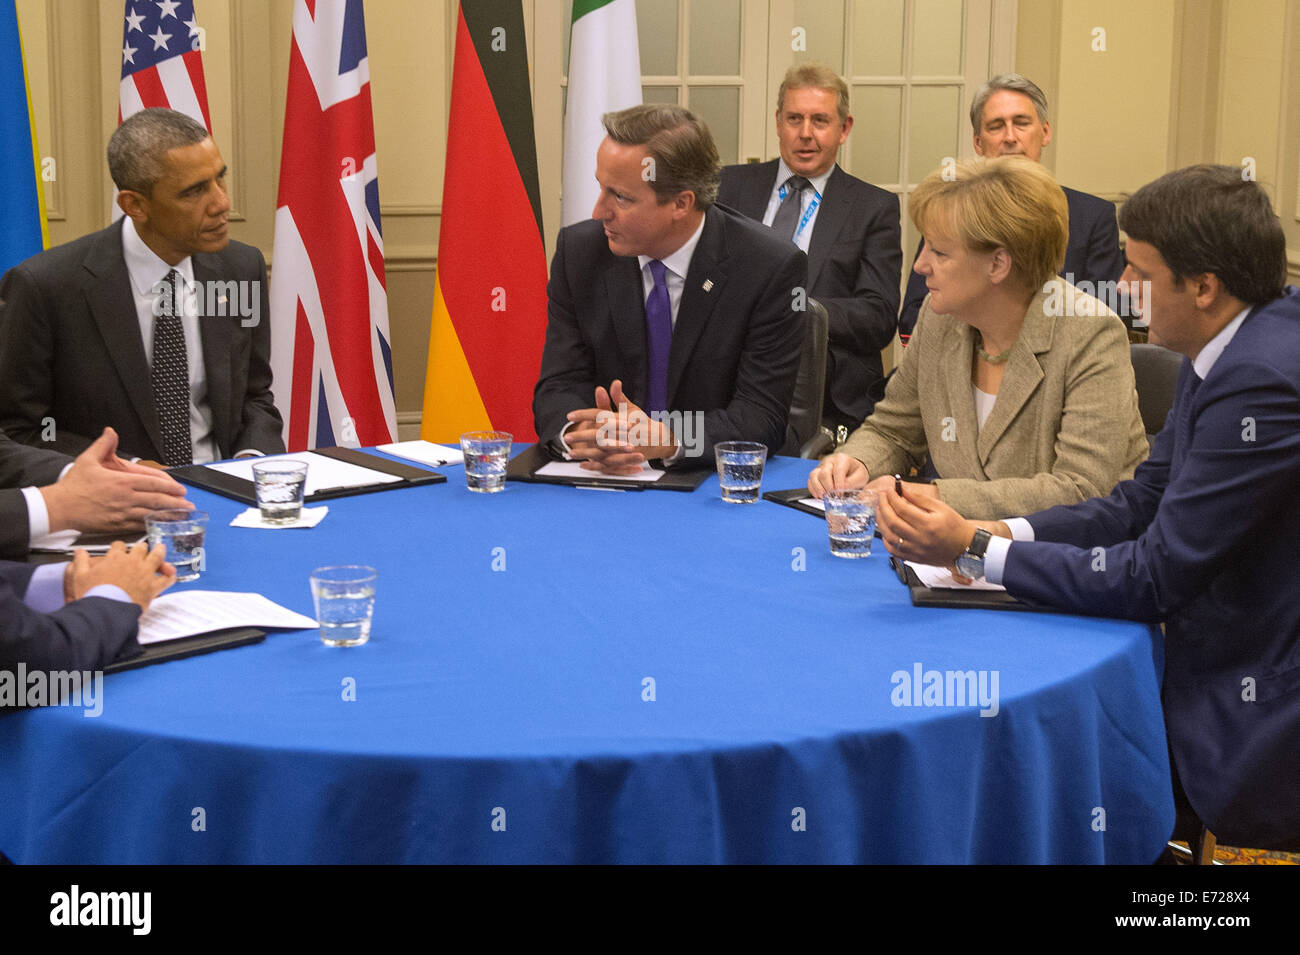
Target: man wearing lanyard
[849,228]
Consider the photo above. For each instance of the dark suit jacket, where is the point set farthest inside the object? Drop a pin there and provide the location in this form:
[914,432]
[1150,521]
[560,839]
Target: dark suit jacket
[21,466]
[1093,254]
[735,348]
[854,258]
[1204,538]
[83,635]
[70,350]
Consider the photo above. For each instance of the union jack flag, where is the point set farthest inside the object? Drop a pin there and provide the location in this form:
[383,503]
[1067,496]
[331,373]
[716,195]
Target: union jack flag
[330,351]
[161,60]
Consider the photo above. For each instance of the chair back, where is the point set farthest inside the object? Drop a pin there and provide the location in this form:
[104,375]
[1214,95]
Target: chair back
[1155,369]
[810,387]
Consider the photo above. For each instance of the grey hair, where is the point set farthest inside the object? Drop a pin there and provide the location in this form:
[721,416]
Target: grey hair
[137,147]
[1013,82]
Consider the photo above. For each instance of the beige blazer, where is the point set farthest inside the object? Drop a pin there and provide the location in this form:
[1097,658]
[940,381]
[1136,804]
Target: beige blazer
[1065,426]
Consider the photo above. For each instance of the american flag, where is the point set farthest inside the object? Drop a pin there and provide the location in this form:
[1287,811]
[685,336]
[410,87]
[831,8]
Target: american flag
[161,60]
[330,352]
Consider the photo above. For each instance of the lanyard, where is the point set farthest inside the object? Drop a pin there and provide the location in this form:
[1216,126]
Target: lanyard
[808,213]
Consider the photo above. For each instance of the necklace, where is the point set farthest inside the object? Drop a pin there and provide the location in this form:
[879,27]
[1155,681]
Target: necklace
[997,359]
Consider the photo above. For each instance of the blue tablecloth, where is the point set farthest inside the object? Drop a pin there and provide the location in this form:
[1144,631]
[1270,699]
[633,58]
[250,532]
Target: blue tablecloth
[503,710]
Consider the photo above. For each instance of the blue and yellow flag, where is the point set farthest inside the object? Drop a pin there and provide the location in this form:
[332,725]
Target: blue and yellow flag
[22,227]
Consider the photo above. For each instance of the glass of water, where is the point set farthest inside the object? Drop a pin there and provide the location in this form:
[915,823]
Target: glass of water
[850,521]
[740,470]
[182,533]
[280,485]
[345,603]
[486,455]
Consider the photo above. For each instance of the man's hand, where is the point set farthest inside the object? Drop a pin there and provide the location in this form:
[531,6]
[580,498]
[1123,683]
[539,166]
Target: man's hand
[141,572]
[838,472]
[616,436]
[921,528]
[102,493]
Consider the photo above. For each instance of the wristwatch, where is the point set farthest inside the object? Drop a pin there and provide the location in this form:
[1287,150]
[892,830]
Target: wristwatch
[971,561]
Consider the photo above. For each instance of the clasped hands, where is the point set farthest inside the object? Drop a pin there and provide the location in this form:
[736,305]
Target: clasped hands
[616,436]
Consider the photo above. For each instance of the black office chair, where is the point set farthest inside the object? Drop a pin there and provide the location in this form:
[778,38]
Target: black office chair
[1156,370]
[804,435]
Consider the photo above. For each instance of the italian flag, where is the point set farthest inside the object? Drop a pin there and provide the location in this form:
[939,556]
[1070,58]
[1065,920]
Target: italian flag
[604,75]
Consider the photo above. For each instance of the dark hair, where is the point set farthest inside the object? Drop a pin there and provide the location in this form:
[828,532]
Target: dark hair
[1212,219]
[137,147]
[680,144]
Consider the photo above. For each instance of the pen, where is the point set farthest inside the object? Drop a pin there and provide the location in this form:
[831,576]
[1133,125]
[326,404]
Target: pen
[898,485]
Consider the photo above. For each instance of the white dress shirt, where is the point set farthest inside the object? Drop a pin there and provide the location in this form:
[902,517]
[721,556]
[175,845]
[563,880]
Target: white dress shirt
[802,235]
[146,271]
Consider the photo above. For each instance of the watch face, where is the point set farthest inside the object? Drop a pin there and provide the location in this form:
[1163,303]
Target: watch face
[970,566]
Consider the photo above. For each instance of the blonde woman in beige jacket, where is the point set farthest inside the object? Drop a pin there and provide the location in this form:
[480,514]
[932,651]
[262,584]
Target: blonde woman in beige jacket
[1016,386]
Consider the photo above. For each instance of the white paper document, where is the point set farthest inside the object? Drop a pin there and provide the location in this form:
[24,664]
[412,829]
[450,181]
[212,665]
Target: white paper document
[309,517]
[423,452]
[939,578]
[323,474]
[191,612]
[813,503]
[575,470]
[65,542]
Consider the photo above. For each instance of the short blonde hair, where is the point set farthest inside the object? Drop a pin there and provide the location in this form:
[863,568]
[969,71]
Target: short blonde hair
[1007,202]
[815,76]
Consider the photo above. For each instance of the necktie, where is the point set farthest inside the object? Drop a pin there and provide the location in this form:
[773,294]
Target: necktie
[659,337]
[787,215]
[170,377]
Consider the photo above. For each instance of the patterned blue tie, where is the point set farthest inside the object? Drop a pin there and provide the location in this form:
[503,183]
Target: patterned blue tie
[659,337]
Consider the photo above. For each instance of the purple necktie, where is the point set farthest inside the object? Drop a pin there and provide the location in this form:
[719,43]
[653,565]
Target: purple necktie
[659,337]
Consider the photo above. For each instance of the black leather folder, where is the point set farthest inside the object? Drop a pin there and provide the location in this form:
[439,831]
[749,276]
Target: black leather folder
[923,596]
[523,467]
[152,653]
[227,485]
[795,498]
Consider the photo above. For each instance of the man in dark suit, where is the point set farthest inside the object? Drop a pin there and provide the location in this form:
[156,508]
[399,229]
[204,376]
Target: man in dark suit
[43,491]
[78,615]
[849,228]
[672,324]
[1009,117]
[1203,538]
[156,326]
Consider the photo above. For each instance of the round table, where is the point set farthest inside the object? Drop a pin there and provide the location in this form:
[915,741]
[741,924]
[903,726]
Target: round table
[568,675]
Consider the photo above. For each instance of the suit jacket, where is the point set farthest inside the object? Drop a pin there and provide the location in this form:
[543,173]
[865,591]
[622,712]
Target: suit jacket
[854,258]
[70,350]
[1204,539]
[21,466]
[1092,255]
[1065,426]
[82,635]
[736,341]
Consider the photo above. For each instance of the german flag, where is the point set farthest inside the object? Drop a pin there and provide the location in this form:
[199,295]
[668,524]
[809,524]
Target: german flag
[489,297]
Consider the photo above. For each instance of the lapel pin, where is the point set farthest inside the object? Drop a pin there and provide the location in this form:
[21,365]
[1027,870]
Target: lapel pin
[708,285]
